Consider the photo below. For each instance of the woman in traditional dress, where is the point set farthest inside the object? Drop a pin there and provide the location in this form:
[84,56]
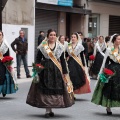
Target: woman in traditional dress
[99,51]
[90,45]
[50,92]
[63,42]
[7,78]
[76,65]
[107,91]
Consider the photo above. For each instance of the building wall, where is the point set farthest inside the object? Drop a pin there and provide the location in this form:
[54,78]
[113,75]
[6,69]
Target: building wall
[104,10]
[75,23]
[20,12]
[62,23]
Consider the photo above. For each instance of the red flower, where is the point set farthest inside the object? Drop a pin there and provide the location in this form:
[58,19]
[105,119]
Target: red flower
[7,59]
[39,65]
[108,71]
[92,57]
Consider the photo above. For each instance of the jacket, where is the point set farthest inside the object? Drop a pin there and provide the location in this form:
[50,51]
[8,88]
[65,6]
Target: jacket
[21,47]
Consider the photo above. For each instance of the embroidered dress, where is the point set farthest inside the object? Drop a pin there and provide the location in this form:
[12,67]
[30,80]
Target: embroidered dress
[50,91]
[108,94]
[78,76]
[7,85]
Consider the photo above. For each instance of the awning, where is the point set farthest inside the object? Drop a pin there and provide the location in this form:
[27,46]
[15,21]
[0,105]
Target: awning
[62,8]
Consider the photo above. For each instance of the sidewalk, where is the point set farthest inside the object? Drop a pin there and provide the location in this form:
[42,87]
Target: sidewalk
[23,76]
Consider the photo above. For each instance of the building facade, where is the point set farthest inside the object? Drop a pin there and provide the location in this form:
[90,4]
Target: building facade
[92,17]
[17,15]
[104,19]
[65,18]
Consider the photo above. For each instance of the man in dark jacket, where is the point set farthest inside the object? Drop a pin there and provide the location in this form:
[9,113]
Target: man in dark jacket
[21,52]
[41,37]
[85,47]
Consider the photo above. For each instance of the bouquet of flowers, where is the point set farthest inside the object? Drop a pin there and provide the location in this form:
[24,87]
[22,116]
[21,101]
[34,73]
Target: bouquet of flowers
[92,57]
[37,68]
[7,61]
[106,75]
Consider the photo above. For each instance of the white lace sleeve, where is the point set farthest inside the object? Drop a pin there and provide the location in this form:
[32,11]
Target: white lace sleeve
[79,48]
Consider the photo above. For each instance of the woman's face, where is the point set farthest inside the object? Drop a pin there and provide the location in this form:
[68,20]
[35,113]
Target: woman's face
[101,39]
[62,39]
[74,38]
[117,41]
[52,36]
[94,40]
[1,36]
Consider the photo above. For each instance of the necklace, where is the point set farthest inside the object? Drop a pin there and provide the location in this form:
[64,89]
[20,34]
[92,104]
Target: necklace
[74,46]
[52,49]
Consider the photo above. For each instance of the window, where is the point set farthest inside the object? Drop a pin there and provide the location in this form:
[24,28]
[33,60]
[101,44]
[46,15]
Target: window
[94,25]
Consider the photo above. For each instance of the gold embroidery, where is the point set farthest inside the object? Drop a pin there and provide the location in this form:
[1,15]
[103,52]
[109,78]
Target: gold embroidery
[1,55]
[116,55]
[56,62]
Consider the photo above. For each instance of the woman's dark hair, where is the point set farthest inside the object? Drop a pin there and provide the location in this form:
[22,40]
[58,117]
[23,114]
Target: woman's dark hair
[80,33]
[49,31]
[115,37]
[107,39]
[41,32]
[101,36]
[67,39]
[2,33]
[88,40]
[85,39]
[75,34]
[60,37]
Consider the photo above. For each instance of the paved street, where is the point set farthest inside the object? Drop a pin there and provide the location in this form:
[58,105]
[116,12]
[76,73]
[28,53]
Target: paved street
[14,107]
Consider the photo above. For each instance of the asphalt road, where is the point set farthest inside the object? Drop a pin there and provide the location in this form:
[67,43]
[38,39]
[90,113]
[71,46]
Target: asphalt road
[14,107]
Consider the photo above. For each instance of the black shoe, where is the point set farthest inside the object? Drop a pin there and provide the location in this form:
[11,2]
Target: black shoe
[108,113]
[47,115]
[28,76]
[4,95]
[51,114]
[18,77]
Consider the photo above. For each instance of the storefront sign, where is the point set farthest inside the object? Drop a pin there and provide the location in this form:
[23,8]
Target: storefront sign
[65,2]
[57,2]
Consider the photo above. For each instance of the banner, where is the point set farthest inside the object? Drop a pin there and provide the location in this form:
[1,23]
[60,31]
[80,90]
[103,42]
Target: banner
[57,2]
[65,2]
